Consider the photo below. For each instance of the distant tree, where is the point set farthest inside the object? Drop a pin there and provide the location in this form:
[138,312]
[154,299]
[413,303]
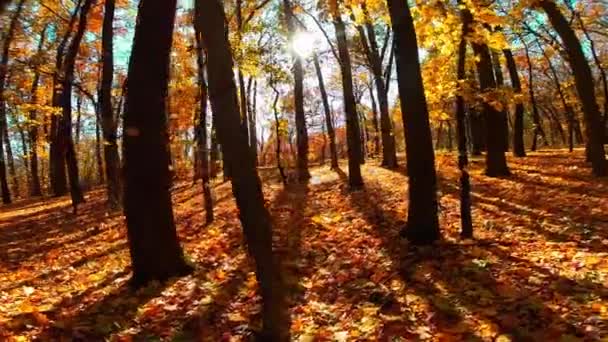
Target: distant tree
[155,250]
[327,110]
[518,125]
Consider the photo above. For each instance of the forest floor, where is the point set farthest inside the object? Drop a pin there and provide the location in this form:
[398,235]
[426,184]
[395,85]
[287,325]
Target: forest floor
[538,269]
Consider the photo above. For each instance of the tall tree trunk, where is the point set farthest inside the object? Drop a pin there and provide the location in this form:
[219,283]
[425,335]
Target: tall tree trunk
[78,118]
[496,163]
[554,76]
[253,134]
[201,130]
[519,149]
[11,161]
[57,174]
[246,185]
[422,221]
[98,158]
[328,122]
[538,131]
[355,180]
[375,121]
[109,123]
[65,123]
[153,242]
[4,60]
[389,153]
[504,113]
[35,189]
[241,79]
[277,132]
[298,76]
[214,155]
[584,86]
[466,222]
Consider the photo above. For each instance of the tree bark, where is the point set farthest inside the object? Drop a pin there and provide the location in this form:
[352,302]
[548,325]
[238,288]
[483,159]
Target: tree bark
[422,221]
[153,243]
[298,76]
[584,86]
[108,121]
[355,180]
[327,110]
[389,153]
[277,132]
[57,174]
[4,60]
[246,185]
[201,130]
[504,113]
[519,149]
[253,134]
[466,221]
[538,130]
[11,161]
[66,141]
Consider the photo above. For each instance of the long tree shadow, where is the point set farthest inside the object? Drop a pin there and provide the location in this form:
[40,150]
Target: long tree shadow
[471,281]
[290,225]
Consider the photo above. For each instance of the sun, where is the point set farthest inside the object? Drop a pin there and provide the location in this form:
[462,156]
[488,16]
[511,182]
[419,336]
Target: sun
[303,44]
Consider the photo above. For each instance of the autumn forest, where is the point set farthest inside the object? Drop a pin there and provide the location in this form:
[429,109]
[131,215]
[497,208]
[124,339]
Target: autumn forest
[303,170]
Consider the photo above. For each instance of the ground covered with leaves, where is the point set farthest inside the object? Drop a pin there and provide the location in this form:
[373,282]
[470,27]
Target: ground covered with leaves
[537,271]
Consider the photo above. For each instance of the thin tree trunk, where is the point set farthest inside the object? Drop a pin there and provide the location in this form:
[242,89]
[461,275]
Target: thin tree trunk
[155,250]
[78,117]
[109,122]
[298,76]
[253,134]
[519,149]
[65,123]
[328,121]
[4,61]
[422,221]
[277,132]
[389,153]
[466,222]
[584,86]
[35,189]
[98,158]
[246,185]
[57,174]
[11,162]
[535,116]
[375,121]
[203,151]
[355,180]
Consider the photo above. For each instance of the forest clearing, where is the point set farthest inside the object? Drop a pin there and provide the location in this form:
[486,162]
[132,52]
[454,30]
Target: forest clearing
[537,270]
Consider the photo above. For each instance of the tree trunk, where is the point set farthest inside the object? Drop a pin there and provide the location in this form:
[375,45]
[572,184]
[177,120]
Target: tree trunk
[98,158]
[504,112]
[153,243]
[214,155]
[57,174]
[298,76]
[584,86]
[422,221]
[11,161]
[375,121]
[277,132]
[352,121]
[35,189]
[4,60]
[466,222]
[78,118]
[535,116]
[108,121]
[389,153]
[201,130]
[519,149]
[496,163]
[253,134]
[246,185]
[64,132]
[328,122]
